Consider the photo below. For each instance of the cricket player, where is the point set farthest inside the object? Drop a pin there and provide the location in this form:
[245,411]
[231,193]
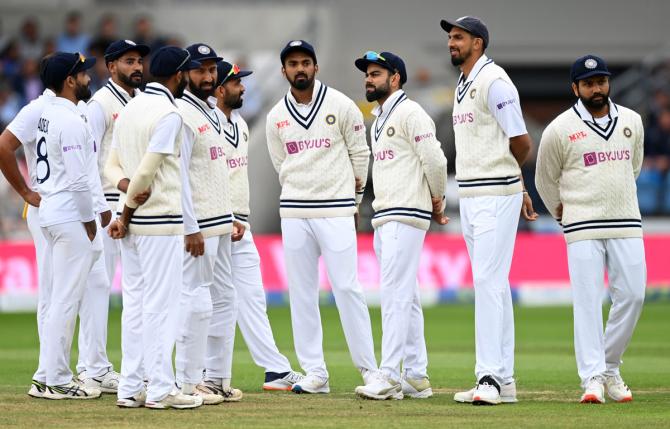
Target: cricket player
[316,140]
[587,163]
[70,190]
[409,174]
[145,149]
[250,305]
[491,145]
[208,226]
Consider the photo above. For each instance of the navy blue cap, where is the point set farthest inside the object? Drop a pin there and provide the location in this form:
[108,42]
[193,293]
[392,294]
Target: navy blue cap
[297,45]
[169,60]
[201,52]
[588,66]
[63,64]
[387,60]
[471,24]
[226,71]
[116,49]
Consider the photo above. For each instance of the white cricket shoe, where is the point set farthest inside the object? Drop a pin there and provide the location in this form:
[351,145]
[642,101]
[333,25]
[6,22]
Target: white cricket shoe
[417,388]
[617,389]
[72,390]
[229,394]
[136,401]
[176,400]
[311,384]
[487,392]
[209,395]
[380,387]
[507,394]
[594,392]
[37,389]
[107,383]
[281,381]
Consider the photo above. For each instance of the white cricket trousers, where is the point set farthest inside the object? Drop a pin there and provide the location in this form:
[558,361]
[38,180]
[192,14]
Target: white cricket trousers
[195,308]
[72,255]
[252,315]
[221,332]
[398,248]
[489,228]
[152,280]
[335,239]
[598,353]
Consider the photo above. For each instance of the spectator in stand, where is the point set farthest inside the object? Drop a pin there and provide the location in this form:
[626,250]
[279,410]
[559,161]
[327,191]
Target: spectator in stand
[31,85]
[73,39]
[657,143]
[30,44]
[108,33]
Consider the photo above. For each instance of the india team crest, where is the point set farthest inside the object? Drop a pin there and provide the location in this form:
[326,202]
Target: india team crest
[204,50]
[590,63]
[627,132]
[390,131]
[473,93]
[330,119]
[245,136]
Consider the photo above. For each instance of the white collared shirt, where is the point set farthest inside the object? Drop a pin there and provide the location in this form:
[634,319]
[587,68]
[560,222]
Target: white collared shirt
[603,121]
[96,114]
[304,109]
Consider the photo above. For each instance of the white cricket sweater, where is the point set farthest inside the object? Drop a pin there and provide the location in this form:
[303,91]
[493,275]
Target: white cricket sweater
[484,162]
[591,169]
[318,154]
[162,213]
[207,169]
[237,136]
[408,166]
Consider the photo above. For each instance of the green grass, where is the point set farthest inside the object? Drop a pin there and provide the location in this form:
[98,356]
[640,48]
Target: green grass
[545,370]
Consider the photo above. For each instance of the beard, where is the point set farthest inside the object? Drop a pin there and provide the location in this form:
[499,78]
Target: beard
[180,89]
[131,79]
[200,92]
[302,85]
[82,92]
[378,92]
[458,59]
[234,101]
[596,101]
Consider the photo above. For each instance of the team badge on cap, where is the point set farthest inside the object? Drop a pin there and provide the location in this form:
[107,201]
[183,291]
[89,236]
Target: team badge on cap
[295,43]
[130,42]
[204,50]
[590,63]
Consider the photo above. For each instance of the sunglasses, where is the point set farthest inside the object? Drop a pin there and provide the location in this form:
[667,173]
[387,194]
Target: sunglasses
[374,56]
[233,71]
[81,60]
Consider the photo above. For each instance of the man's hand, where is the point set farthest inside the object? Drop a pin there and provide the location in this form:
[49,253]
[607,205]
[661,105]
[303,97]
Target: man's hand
[123,185]
[91,229]
[559,211]
[359,185]
[105,218]
[117,229]
[142,197]
[195,244]
[438,214]
[32,198]
[527,211]
[356,218]
[238,231]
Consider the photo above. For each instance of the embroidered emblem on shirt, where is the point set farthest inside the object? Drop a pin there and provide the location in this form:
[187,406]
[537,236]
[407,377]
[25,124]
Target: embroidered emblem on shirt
[330,119]
[627,132]
[473,93]
[390,131]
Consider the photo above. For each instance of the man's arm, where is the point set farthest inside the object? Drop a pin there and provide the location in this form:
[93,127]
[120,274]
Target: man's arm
[275,144]
[352,128]
[194,243]
[638,148]
[548,172]
[9,144]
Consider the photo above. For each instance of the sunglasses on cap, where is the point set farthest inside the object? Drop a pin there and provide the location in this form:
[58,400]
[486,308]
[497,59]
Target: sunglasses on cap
[233,71]
[82,59]
[374,56]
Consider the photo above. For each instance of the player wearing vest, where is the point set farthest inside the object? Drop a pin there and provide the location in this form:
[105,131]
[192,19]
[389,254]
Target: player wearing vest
[145,147]
[248,296]
[491,145]
[316,140]
[409,174]
[587,163]
[208,224]
[71,195]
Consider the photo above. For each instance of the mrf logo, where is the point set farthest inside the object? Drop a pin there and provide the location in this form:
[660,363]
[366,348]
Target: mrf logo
[282,124]
[578,136]
[203,128]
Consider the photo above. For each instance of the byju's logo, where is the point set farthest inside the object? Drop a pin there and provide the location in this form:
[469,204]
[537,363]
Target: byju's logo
[292,147]
[590,158]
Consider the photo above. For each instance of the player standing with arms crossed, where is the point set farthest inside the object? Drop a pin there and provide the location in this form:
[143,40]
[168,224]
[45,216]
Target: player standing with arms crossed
[409,175]
[251,307]
[68,187]
[587,163]
[491,145]
[147,137]
[316,140]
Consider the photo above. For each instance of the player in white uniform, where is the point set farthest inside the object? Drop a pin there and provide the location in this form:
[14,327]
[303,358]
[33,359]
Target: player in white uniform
[250,308]
[316,140]
[67,181]
[209,227]
[409,175]
[491,145]
[145,148]
[587,163]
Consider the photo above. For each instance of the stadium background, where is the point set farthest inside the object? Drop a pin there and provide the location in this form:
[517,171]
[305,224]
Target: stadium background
[536,41]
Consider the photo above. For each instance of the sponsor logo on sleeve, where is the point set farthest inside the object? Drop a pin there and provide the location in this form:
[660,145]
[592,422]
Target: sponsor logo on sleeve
[505,103]
[420,137]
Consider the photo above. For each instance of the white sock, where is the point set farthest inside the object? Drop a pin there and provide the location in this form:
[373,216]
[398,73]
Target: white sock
[225,383]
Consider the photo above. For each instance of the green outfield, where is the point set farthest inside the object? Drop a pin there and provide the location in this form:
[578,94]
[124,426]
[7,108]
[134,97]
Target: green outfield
[545,369]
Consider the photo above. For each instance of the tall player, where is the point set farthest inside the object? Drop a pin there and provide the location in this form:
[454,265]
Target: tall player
[491,145]
[251,306]
[406,156]
[316,140]
[68,187]
[587,163]
[208,227]
[145,147]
